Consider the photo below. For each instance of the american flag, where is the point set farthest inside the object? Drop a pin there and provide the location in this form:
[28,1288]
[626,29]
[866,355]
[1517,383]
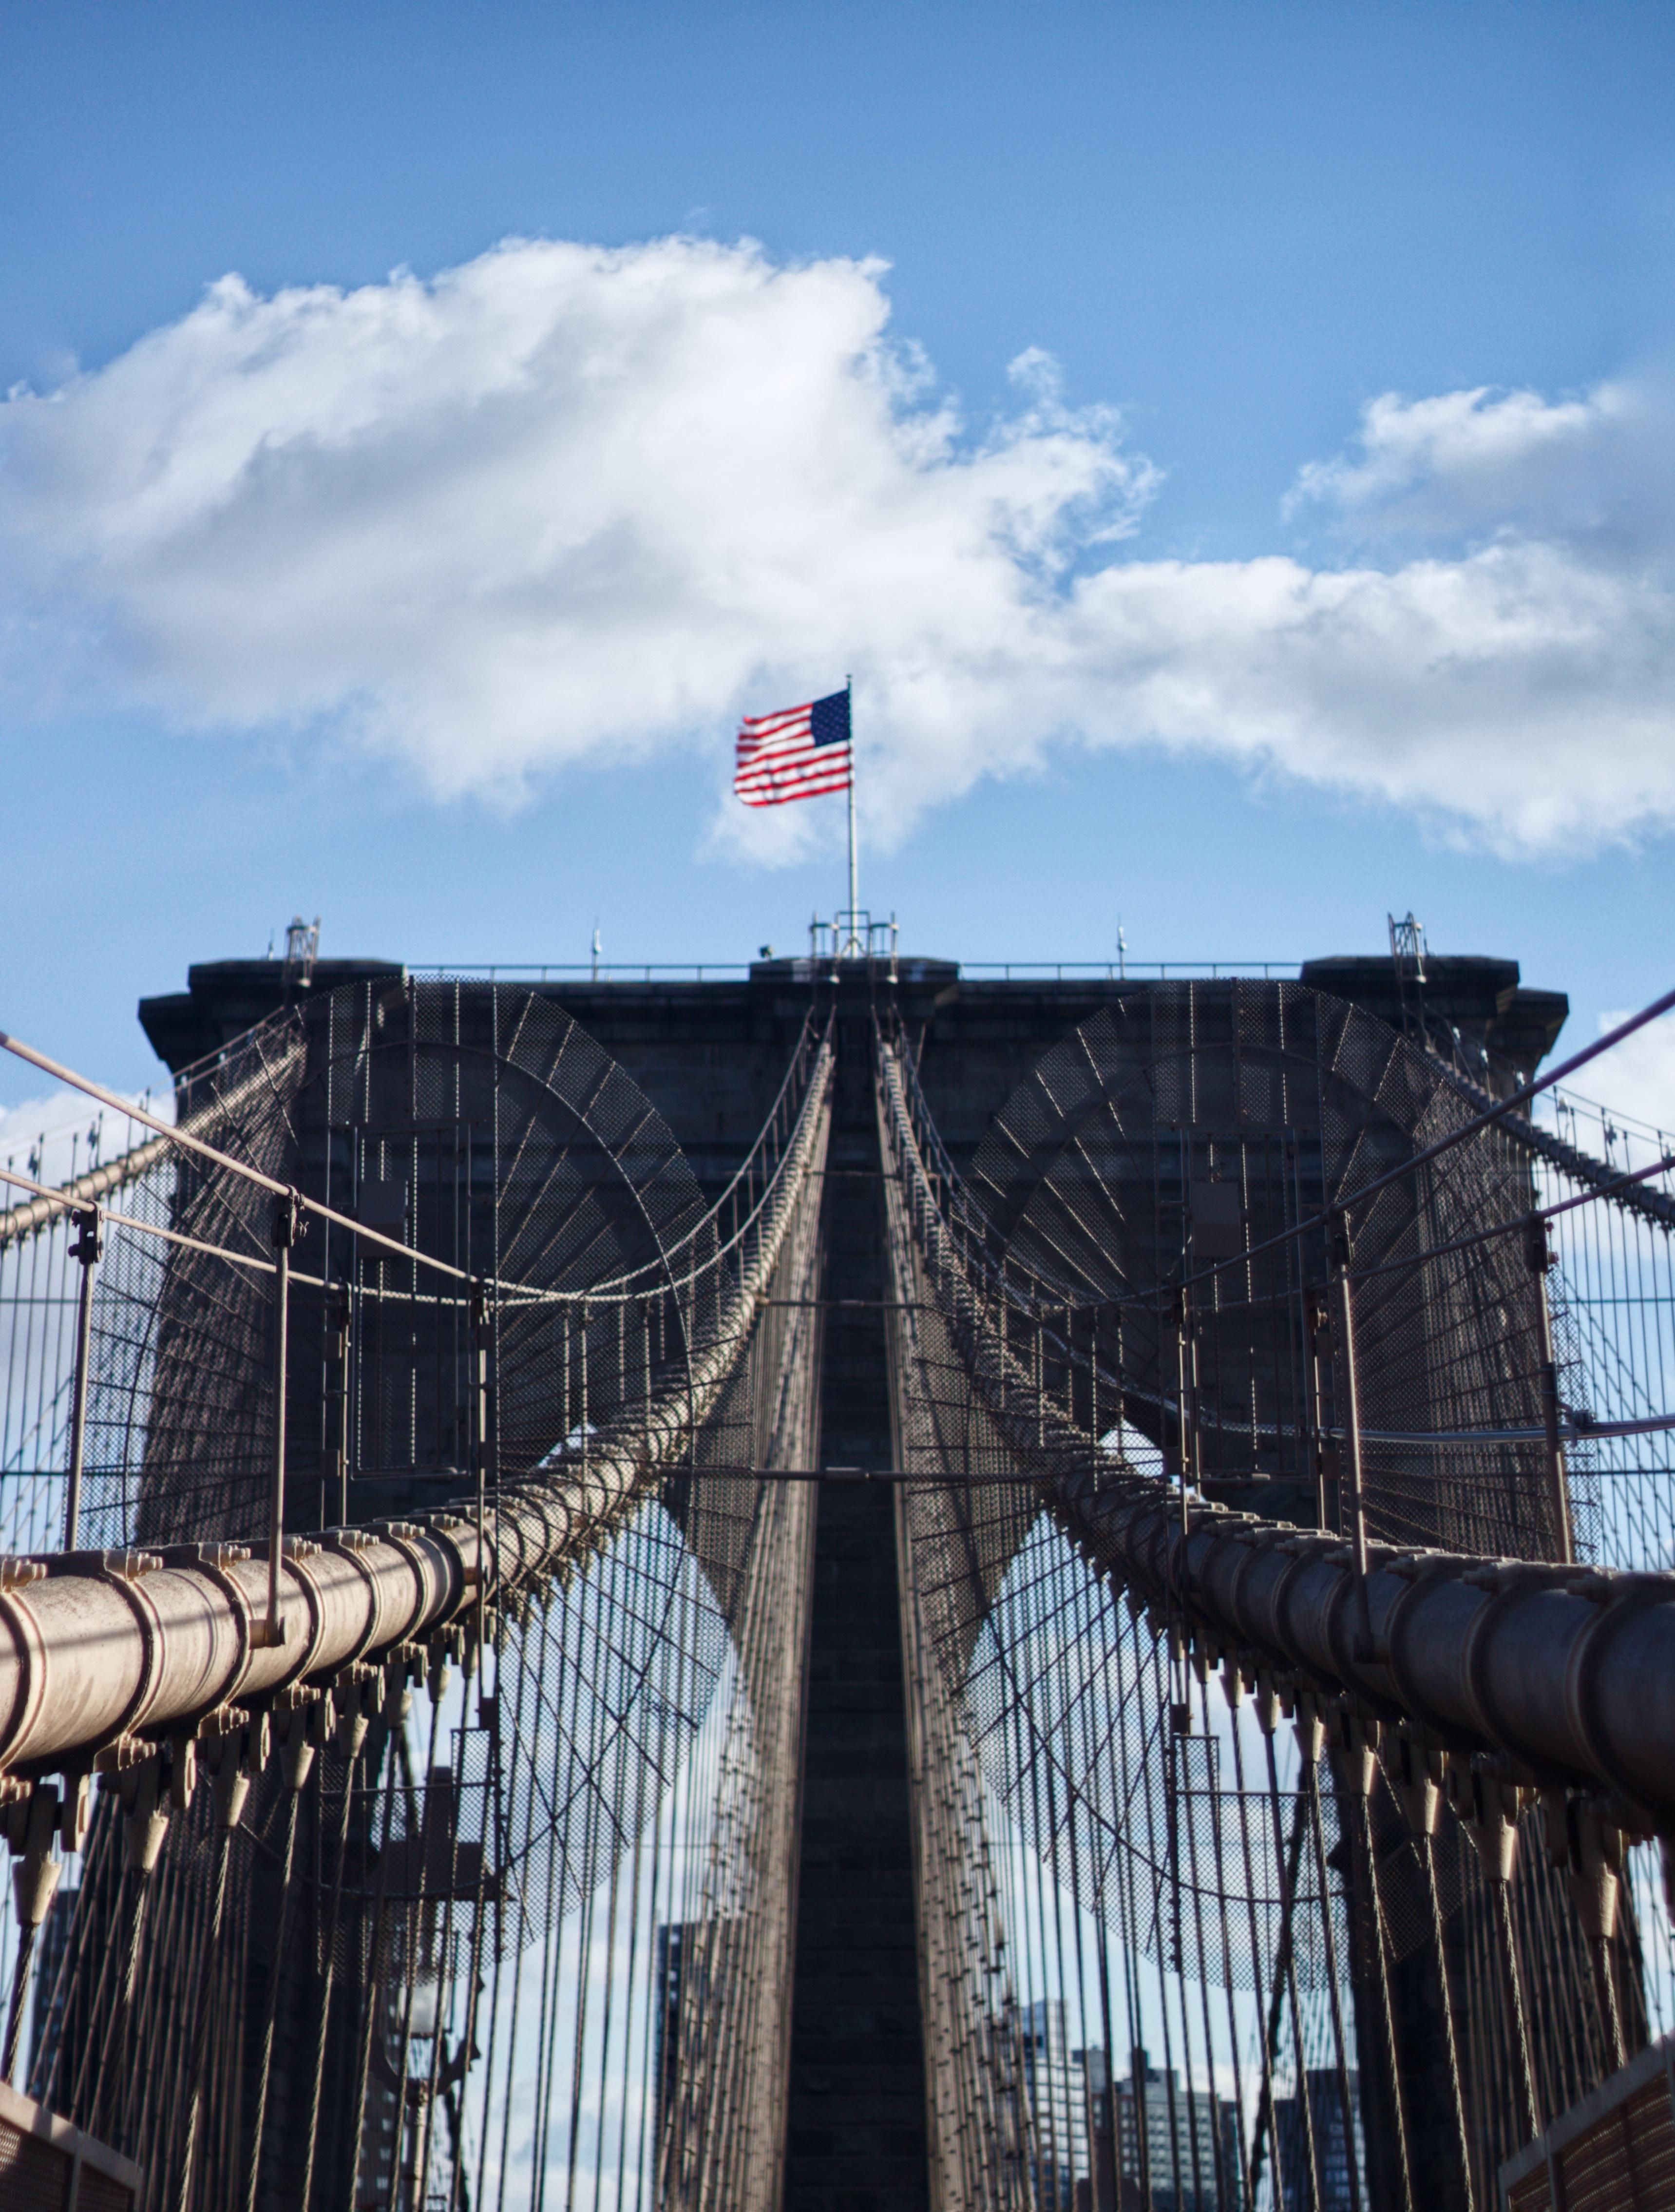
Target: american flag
[799,753]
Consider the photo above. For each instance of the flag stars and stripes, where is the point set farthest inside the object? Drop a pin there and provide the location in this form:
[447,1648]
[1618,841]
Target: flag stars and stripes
[801,752]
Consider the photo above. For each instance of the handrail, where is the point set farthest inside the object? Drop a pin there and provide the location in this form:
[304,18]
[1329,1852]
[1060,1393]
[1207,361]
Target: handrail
[657,971]
[85,1189]
[629,971]
[1609,1182]
[79,1193]
[1128,971]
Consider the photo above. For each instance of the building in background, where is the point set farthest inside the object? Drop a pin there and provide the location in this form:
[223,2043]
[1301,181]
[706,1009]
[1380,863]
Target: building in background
[1325,2096]
[1060,2115]
[674,1943]
[1189,2137]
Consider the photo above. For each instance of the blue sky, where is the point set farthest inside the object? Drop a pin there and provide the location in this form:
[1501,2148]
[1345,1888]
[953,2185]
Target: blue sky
[1238,225]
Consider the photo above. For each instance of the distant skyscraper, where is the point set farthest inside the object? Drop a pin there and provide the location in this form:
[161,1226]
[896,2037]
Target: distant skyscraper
[674,1944]
[1326,2112]
[1059,2113]
[1191,2143]
[1087,2144]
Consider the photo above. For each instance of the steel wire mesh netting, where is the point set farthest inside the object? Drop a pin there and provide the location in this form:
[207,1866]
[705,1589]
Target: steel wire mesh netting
[1614,1325]
[1194,1123]
[952,1546]
[481,1125]
[1140,1257]
[441,1957]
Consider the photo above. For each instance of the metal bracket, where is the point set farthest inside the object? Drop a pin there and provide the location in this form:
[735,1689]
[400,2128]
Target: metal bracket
[124,1566]
[350,1540]
[119,1756]
[221,1556]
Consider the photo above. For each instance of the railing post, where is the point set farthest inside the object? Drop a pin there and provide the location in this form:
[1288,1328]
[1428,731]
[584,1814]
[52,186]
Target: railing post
[286,1231]
[1538,1253]
[86,1248]
[1349,1419]
[1324,1459]
[1186,1412]
[338,1394]
[1093,1389]
[480,1452]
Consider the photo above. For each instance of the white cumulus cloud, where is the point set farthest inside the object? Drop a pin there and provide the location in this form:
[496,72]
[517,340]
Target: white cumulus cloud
[1597,473]
[565,504]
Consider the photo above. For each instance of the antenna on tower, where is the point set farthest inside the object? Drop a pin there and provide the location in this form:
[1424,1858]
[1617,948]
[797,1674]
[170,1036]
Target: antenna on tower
[598,947]
[1407,955]
[302,948]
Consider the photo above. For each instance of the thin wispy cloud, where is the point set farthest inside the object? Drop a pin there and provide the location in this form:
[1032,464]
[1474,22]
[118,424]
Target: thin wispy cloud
[564,505]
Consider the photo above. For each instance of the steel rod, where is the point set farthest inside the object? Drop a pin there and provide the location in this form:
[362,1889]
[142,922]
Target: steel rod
[284,1236]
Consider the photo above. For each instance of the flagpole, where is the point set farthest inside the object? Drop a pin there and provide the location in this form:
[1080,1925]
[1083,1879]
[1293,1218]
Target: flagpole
[854,891]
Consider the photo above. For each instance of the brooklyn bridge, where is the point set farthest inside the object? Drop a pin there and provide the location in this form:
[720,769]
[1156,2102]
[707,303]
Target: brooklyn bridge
[838,1586]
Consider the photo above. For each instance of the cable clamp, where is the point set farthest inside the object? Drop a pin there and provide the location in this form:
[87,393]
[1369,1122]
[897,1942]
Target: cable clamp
[221,1556]
[349,1541]
[130,1566]
[124,1753]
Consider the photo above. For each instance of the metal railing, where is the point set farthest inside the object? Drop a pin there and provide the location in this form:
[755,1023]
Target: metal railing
[729,971]
[584,971]
[1129,971]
